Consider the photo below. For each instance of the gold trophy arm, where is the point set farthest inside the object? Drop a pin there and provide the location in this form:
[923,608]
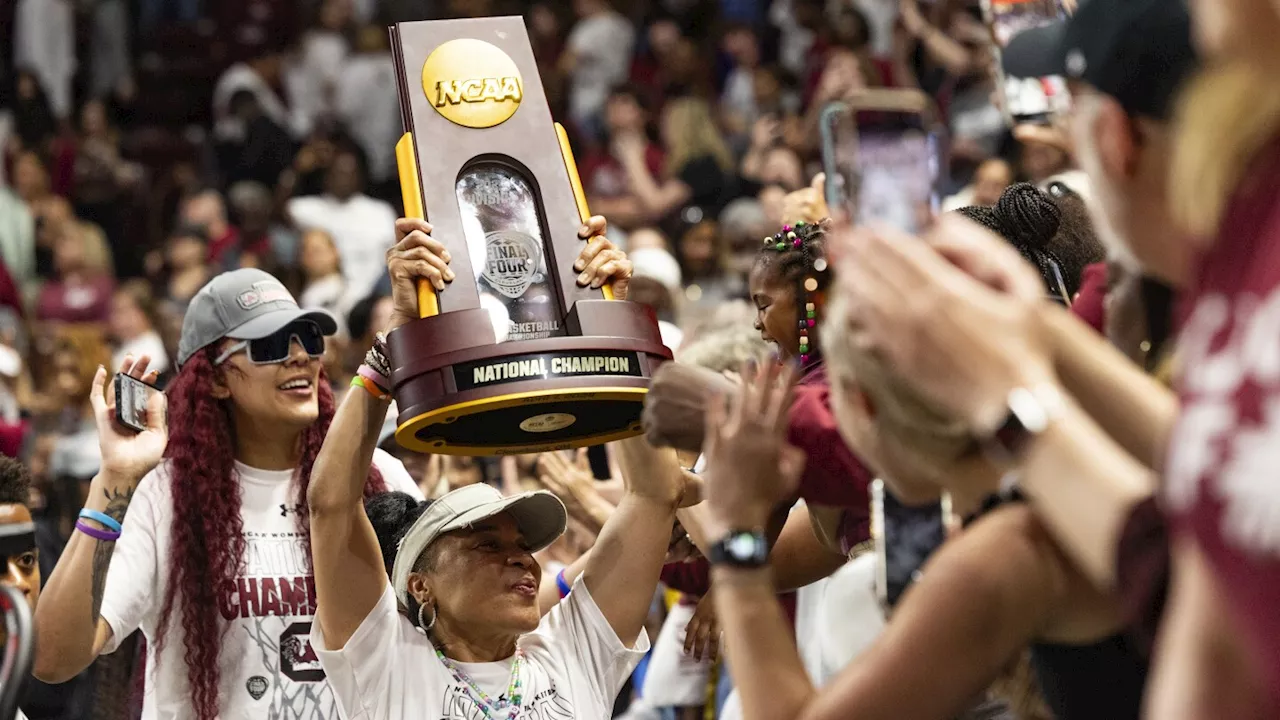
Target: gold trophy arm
[579,195]
[411,191]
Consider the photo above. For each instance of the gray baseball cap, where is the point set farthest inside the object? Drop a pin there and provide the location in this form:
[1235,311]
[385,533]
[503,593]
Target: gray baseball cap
[245,304]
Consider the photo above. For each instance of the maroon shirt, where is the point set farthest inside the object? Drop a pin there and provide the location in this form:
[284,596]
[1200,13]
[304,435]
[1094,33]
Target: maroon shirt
[1223,473]
[833,475]
[603,176]
[87,301]
[1090,301]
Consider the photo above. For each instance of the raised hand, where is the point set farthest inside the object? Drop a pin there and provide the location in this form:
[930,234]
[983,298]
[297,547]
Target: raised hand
[600,262]
[127,455]
[807,204]
[418,256]
[675,407]
[750,466]
[415,256]
[960,343]
[702,634]
[652,473]
[575,485]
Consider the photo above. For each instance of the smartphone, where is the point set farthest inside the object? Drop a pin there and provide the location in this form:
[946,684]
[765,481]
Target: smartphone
[132,396]
[905,537]
[1026,100]
[883,156]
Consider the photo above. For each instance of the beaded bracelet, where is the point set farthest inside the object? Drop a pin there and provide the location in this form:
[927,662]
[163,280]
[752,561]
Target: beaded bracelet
[370,388]
[562,584]
[95,533]
[103,519]
[376,357]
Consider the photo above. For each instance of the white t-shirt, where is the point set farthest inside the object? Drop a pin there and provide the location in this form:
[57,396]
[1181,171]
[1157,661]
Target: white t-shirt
[362,228]
[675,678]
[365,99]
[602,44]
[149,344]
[574,665]
[268,669]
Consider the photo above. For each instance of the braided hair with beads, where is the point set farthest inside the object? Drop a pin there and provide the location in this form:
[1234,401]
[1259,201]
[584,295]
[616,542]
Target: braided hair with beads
[797,254]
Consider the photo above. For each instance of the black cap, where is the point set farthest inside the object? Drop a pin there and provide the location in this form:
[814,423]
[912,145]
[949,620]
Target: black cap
[1137,51]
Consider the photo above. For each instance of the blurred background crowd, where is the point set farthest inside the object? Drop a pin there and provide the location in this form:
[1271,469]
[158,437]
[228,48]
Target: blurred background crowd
[149,144]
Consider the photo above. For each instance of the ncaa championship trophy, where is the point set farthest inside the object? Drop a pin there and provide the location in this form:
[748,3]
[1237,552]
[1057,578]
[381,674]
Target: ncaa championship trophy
[513,356]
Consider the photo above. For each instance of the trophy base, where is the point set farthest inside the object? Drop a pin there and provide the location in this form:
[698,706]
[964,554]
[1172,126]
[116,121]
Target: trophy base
[461,394]
[528,422]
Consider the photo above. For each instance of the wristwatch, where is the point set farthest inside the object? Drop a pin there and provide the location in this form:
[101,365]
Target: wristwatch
[741,549]
[1030,411]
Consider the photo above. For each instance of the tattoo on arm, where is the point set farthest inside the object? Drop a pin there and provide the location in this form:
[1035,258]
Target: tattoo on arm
[117,504]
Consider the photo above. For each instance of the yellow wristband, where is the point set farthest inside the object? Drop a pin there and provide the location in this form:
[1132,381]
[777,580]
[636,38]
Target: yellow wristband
[370,388]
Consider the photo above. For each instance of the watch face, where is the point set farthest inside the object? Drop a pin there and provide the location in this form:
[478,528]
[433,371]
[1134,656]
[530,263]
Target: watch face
[742,546]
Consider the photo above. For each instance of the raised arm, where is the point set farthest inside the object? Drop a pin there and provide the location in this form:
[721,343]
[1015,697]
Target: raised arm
[68,617]
[966,613]
[976,338]
[624,565]
[965,608]
[1129,405]
[349,571]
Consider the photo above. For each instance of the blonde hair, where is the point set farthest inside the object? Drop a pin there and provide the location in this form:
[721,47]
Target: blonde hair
[695,136]
[899,412]
[97,252]
[725,349]
[1225,117]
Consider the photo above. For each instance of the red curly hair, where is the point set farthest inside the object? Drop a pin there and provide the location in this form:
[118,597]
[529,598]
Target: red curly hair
[208,546]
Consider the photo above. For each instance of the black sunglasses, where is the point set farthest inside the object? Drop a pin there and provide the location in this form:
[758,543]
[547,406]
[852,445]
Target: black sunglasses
[275,347]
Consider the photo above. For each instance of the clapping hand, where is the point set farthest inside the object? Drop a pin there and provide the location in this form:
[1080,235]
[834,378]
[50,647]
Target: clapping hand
[575,485]
[751,468]
[127,455]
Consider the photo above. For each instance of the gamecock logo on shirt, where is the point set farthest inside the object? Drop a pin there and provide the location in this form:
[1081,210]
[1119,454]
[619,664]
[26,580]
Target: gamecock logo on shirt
[298,660]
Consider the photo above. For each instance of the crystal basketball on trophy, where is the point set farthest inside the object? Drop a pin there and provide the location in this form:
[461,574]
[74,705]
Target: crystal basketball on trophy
[513,356]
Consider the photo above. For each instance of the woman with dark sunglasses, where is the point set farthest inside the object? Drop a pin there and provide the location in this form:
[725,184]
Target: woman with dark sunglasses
[212,562]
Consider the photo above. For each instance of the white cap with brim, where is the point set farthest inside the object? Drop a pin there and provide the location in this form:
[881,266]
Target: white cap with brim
[540,516]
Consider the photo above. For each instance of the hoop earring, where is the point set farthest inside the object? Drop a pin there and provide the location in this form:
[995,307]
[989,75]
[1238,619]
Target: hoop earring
[423,626]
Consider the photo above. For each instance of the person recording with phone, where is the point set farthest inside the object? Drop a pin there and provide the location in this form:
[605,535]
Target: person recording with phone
[195,530]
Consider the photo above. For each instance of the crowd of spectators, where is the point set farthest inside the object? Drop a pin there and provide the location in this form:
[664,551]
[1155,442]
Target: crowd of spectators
[147,146]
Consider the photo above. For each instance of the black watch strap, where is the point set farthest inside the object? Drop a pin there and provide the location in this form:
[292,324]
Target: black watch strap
[741,549]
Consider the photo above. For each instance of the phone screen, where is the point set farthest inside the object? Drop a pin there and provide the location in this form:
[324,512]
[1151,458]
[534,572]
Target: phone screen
[905,537]
[883,167]
[1027,99]
[132,396]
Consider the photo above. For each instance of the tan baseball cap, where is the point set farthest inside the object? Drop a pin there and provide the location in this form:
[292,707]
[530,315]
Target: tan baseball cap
[539,514]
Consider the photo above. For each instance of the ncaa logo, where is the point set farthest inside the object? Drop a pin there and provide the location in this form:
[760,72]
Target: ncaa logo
[511,262]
